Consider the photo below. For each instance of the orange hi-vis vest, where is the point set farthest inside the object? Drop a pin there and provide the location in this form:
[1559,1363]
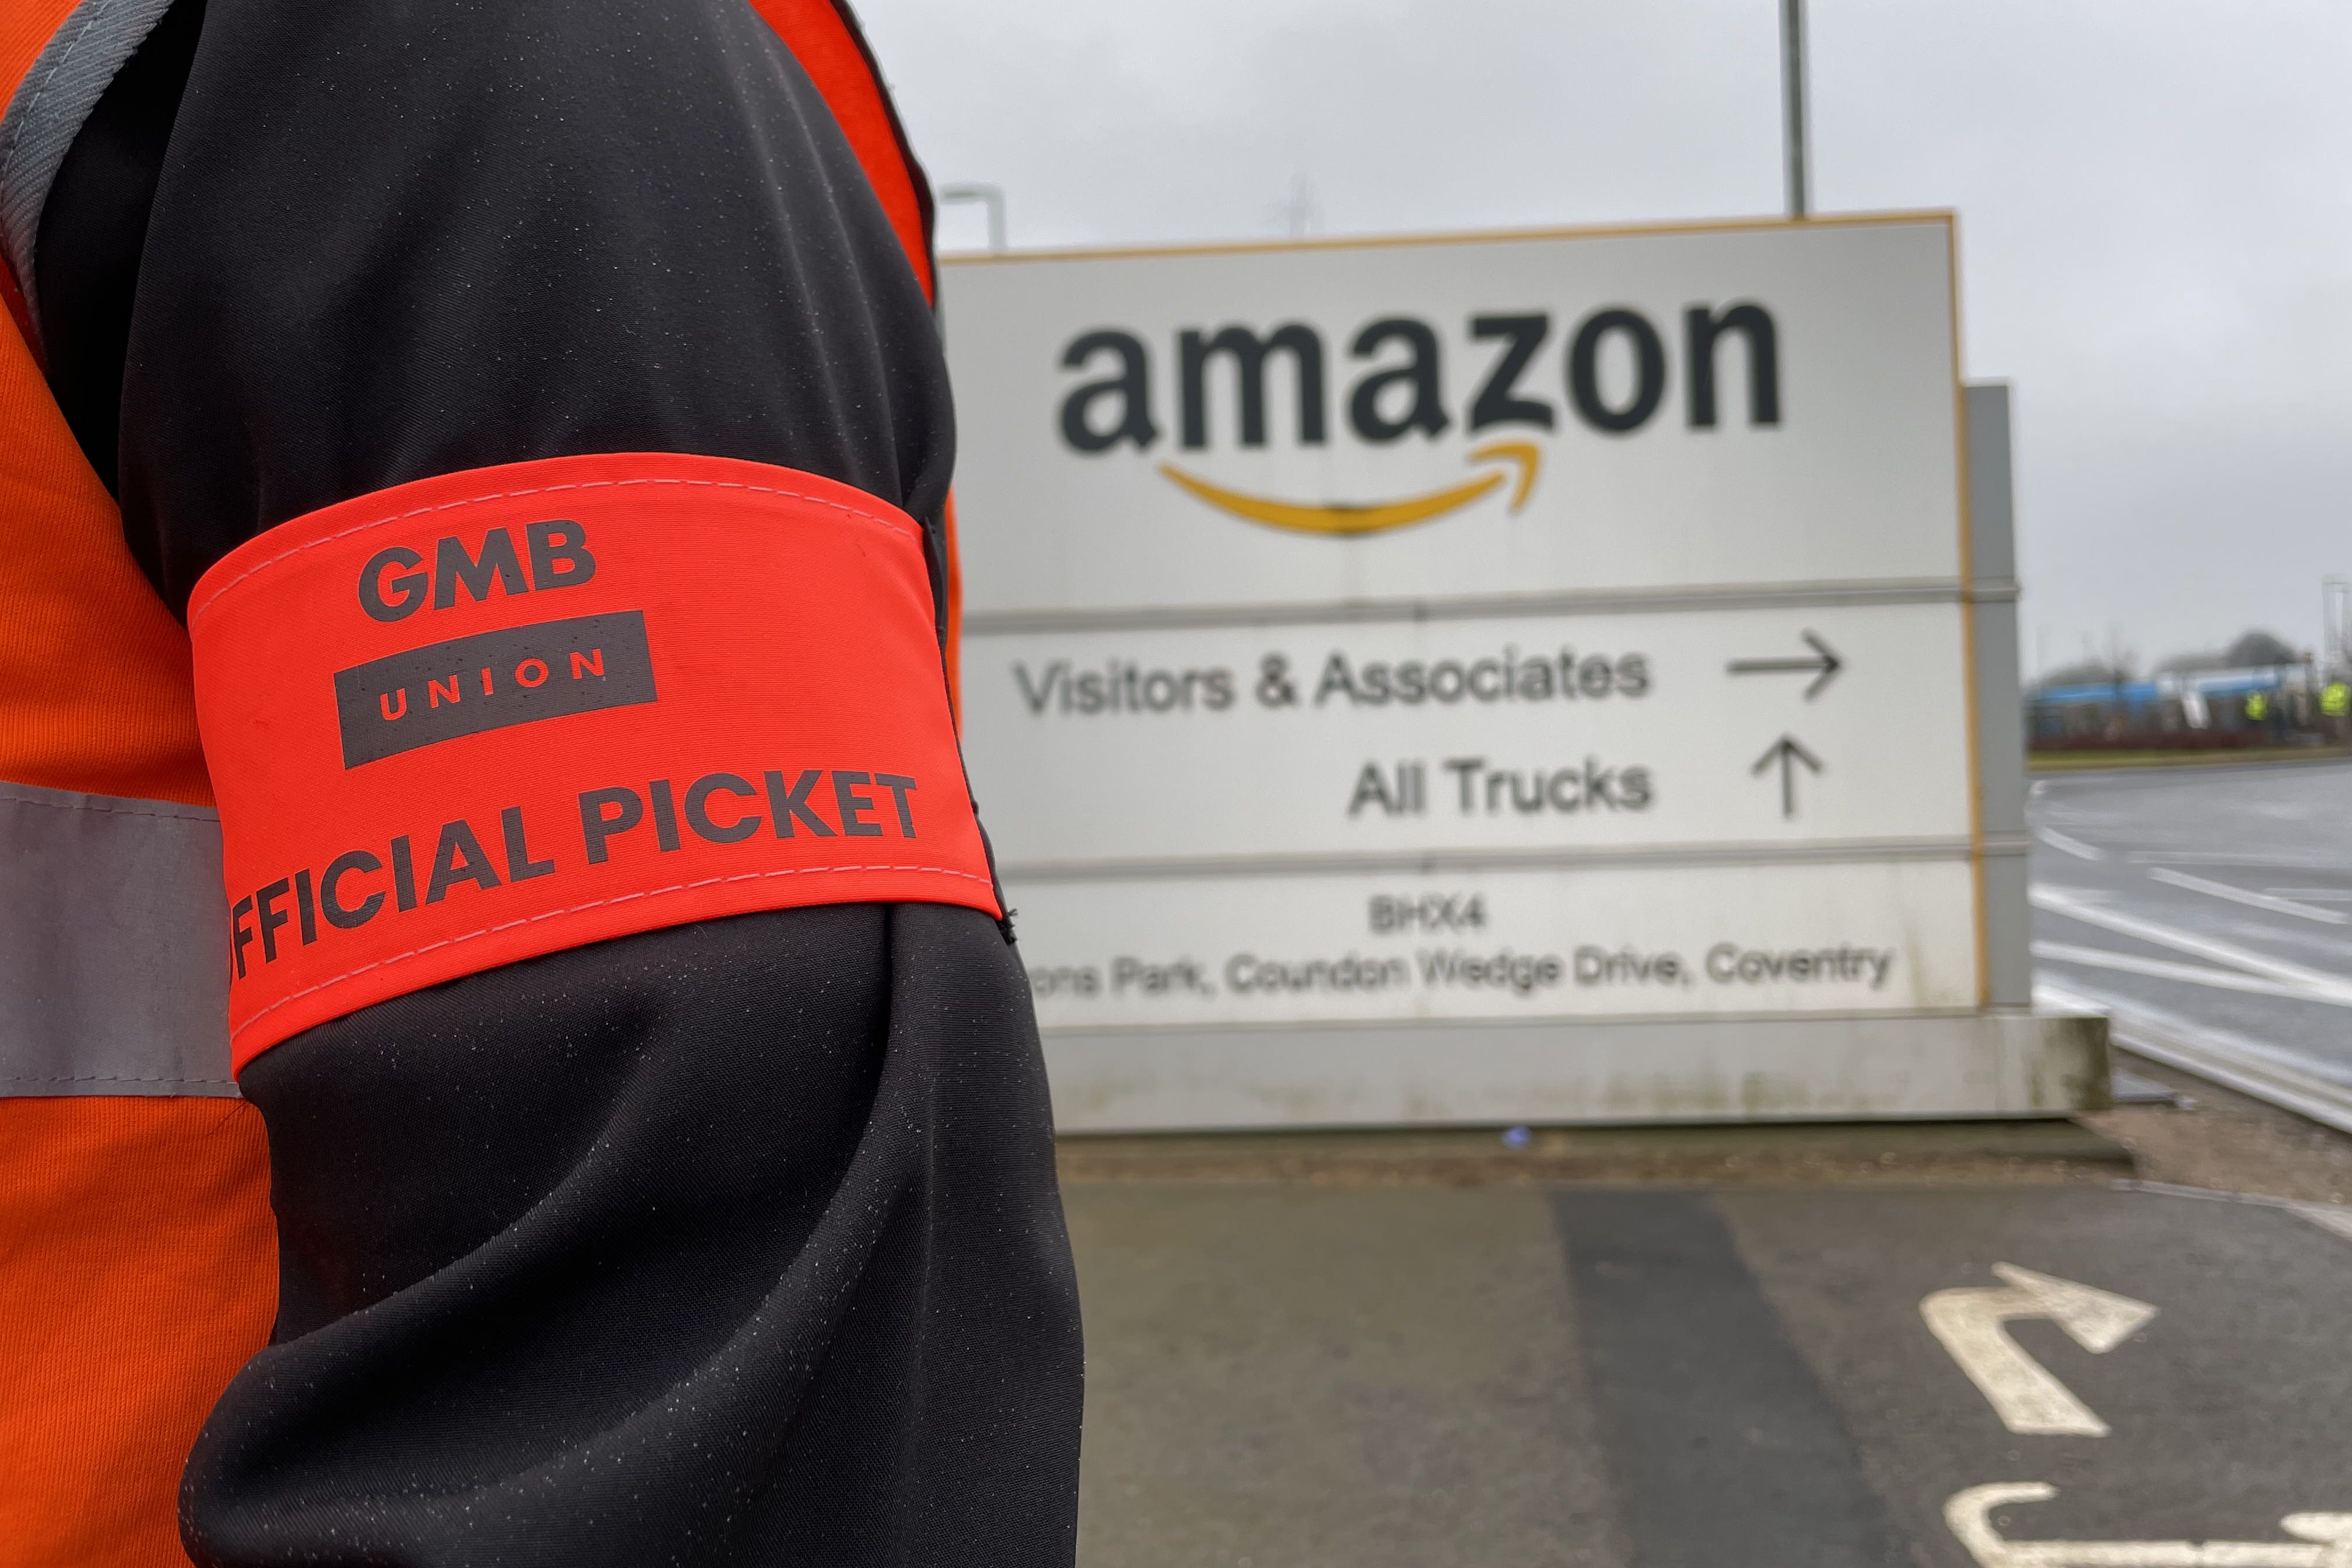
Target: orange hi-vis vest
[137,1254]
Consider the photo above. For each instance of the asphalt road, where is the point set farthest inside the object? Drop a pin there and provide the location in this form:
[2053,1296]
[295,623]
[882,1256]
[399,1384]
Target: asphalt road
[1509,1377]
[2209,912]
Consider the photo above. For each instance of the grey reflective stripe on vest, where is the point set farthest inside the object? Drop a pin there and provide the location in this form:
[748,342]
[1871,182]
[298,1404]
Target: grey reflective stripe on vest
[49,108]
[113,946]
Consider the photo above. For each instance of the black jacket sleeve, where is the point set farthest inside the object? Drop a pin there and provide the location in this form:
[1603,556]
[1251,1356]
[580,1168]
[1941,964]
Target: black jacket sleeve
[732,1243]
[398,240]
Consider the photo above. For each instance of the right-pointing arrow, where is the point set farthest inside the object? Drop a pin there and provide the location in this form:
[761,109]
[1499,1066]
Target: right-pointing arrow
[1787,751]
[1823,666]
[2020,1389]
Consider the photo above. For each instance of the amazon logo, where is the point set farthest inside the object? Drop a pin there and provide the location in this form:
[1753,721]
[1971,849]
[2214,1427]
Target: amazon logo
[1611,372]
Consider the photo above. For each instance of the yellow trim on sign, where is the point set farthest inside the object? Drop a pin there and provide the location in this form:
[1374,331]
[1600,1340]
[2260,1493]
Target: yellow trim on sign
[1475,237]
[1345,518]
[1972,699]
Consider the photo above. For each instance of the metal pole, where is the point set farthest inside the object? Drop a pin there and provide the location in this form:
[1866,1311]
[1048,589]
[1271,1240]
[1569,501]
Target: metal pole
[1792,107]
[2336,620]
[990,196]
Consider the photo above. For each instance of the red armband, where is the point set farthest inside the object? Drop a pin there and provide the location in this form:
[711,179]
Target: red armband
[498,713]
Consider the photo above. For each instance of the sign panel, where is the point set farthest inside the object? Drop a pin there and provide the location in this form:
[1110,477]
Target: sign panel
[1552,627]
[1511,732]
[1516,943]
[1769,404]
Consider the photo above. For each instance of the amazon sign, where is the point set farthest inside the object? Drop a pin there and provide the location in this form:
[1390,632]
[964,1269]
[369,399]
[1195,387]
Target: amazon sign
[1577,635]
[1460,418]
[1531,379]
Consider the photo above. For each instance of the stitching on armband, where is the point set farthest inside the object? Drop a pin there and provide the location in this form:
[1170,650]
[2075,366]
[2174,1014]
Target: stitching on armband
[591,904]
[895,530]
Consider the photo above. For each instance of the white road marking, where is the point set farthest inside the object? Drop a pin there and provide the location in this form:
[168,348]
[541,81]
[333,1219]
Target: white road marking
[2050,998]
[2074,847]
[2324,1540]
[2193,973]
[2232,858]
[2334,1218]
[2233,1060]
[2316,895]
[2022,1392]
[2060,901]
[2240,895]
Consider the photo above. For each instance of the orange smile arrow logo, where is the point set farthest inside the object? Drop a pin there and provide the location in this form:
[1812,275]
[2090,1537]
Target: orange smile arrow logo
[1347,518]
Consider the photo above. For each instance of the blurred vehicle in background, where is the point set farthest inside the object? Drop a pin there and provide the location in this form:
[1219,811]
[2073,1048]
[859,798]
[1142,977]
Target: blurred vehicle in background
[2258,693]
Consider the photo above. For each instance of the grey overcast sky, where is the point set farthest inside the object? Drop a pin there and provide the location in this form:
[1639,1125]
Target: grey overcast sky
[2154,201]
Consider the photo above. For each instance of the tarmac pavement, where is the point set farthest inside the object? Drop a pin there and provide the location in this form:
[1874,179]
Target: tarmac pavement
[1932,1347]
[1289,1375]
[2209,910]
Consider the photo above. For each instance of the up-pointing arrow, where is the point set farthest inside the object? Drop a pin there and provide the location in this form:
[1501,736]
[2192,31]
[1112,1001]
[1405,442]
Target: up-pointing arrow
[2021,1390]
[1787,751]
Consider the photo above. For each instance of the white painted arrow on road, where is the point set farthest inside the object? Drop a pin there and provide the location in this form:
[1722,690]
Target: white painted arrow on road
[2324,1540]
[2022,1391]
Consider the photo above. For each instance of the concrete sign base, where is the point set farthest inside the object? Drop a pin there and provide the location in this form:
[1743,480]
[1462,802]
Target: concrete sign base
[2001,1063]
